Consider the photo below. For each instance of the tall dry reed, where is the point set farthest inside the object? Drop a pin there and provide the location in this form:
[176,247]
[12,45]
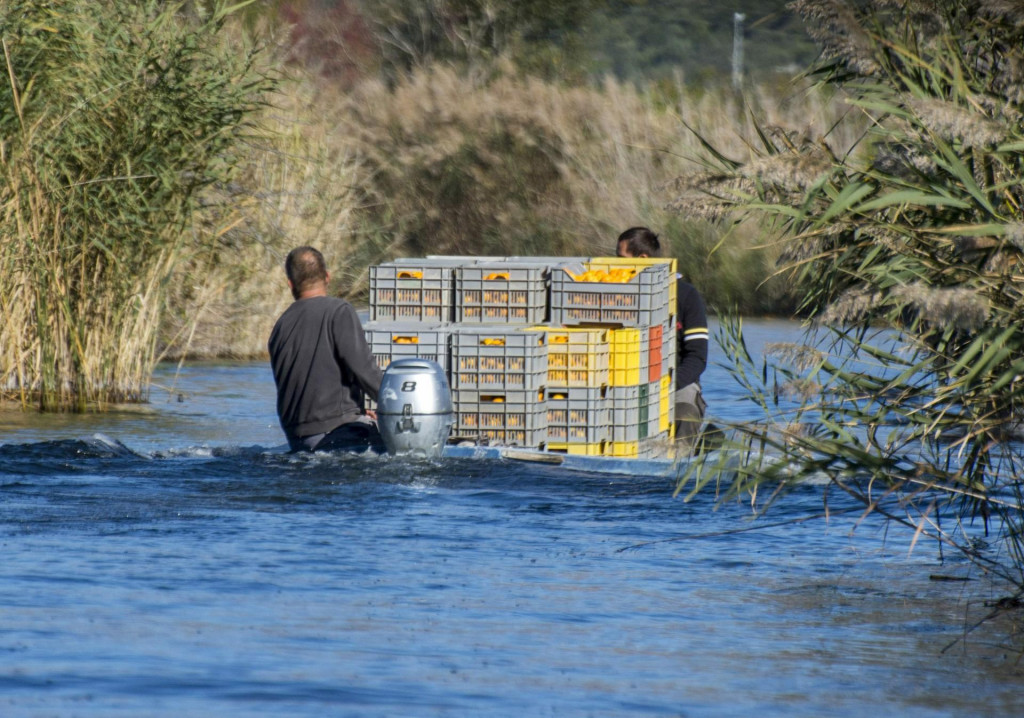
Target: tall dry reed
[114,118]
[466,165]
[296,186]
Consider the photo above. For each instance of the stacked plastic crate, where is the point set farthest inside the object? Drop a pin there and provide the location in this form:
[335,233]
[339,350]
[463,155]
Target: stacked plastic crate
[480,309]
[578,402]
[499,368]
[538,352]
[633,299]
[413,289]
[411,309]
[497,382]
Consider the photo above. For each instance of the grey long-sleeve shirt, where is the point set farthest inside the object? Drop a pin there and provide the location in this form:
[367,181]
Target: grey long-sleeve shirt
[322,366]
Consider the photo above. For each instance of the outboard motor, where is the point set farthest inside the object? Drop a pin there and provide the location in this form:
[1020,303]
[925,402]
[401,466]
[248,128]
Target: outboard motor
[414,408]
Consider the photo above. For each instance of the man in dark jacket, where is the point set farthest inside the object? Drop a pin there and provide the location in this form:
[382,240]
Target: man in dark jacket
[322,364]
[691,337]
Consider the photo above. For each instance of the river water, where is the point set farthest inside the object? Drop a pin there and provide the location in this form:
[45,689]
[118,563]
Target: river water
[176,562]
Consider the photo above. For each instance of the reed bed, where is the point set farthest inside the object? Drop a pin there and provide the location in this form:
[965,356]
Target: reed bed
[114,118]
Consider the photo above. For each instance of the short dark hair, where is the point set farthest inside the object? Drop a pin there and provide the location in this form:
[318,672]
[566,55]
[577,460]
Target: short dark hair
[639,241]
[305,266]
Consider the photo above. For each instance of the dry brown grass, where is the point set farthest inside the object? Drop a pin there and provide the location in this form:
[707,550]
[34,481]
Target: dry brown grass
[442,164]
[296,188]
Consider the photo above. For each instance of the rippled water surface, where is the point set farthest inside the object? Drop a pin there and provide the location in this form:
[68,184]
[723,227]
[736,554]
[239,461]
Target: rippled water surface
[176,562]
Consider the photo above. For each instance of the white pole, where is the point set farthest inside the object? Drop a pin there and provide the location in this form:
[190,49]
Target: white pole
[737,49]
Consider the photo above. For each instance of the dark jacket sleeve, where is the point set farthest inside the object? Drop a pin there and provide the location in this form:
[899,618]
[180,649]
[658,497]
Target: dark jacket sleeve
[691,335]
[351,348]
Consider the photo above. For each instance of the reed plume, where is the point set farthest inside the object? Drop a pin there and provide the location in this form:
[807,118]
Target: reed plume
[908,255]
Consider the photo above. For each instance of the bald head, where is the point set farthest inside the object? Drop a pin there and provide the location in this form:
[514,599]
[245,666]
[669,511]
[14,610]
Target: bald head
[306,270]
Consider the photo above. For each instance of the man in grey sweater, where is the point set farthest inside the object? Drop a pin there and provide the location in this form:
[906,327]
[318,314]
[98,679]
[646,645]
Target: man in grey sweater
[322,365]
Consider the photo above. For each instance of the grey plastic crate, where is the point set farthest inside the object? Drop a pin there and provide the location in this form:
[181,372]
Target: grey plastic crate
[578,415]
[389,341]
[413,289]
[550,262]
[487,293]
[463,260]
[625,413]
[498,357]
[506,418]
[641,302]
[406,339]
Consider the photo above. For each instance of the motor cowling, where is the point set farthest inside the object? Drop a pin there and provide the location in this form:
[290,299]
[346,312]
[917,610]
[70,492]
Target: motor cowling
[414,408]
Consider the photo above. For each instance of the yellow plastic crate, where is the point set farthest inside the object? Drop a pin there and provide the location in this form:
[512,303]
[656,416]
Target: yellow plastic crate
[625,356]
[628,449]
[598,449]
[577,357]
[667,407]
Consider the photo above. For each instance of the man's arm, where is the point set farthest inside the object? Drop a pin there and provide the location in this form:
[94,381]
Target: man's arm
[691,335]
[351,347]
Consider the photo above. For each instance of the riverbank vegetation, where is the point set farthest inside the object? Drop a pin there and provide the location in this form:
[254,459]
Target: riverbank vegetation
[441,163]
[182,149]
[451,146]
[909,257]
[114,117]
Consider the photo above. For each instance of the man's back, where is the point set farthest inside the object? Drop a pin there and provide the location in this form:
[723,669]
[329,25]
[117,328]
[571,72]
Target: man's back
[322,366]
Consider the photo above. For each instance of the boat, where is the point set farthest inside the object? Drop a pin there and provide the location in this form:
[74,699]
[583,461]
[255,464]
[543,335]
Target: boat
[662,466]
[560,361]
